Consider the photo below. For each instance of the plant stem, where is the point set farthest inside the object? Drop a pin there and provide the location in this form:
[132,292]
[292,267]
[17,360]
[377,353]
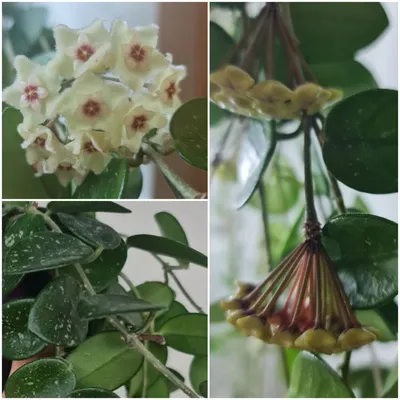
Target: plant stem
[131,286]
[183,188]
[346,367]
[285,366]
[269,71]
[311,214]
[131,339]
[264,211]
[144,388]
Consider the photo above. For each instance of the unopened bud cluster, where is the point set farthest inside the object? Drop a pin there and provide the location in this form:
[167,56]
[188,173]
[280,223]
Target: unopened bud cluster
[97,98]
[301,304]
[235,90]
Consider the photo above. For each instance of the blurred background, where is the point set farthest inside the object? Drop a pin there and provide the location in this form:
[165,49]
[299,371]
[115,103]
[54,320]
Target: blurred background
[183,32]
[237,248]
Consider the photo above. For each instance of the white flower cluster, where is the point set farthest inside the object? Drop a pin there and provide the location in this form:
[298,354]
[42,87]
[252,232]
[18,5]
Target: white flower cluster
[100,95]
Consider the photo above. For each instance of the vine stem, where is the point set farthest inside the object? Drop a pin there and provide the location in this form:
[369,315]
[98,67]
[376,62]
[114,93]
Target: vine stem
[183,188]
[131,339]
[346,367]
[264,211]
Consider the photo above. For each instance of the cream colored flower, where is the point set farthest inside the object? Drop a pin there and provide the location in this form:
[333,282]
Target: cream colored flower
[133,56]
[81,50]
[33,91]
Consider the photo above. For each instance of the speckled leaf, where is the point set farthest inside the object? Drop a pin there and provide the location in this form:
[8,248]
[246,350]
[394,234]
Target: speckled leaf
[189,129]
[175,309]
[198,372]
[54,316]
[90,393]
[365,257]
[46,377]
[104,269]
[86,206]
[187,333]
[361,141]
[314,378]
[45,250]
[167,247]
[9,282]
[18,342]
[109,184]
[91,230]
[157,293]
[104,361]
[103,305]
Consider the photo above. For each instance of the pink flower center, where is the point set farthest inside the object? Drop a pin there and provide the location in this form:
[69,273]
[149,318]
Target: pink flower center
[84,52]
[65,167]
[138,122]
[171,90]
[91,108]
[89,148]
[31,93]
[40,141]
[137,53]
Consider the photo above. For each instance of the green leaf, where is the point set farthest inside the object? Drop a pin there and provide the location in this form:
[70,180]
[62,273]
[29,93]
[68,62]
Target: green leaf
[133,184]
[9,282]
[217,114]
[203,389]
[46,250]
[53,187]
[157,293]
[21,183]
[289,359]
[18,342]
[254,157]
[189,129]
[361,141]
[104,361]
[54,316]
[390,388]
[389,312]
[104,269]
[109,184]
[89,393]
[159,390]
[362,382]
[360,204]
[187,333]
[216,313]
[372,319]
[44,58]
[220,46]
[313,378]
[86,206]
[91,230]
[316,28]
[198,372]
[167,247]
[46,377]
[367,262]
[171,386]
[104,305]
[175,309]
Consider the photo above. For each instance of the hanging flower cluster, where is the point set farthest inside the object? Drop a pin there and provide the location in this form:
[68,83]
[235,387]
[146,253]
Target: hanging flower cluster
[98,97]
[301,304]
[233,89]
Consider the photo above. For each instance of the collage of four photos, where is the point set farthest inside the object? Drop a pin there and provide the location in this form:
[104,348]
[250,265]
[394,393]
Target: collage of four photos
[200,199]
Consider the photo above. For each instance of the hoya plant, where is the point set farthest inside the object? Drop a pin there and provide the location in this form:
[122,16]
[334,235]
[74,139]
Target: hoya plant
[85,108]
[284,80]
[75,325]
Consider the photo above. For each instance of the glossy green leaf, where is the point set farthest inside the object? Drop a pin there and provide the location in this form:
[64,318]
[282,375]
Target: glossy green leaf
[46,377]
[189,129]
[91,230]
[104,305]
[220,46]
[171,386]
[216,313]
[104,269]
[54,316]
[390,388]
[46,250]
[372,319]
[156,293]
[18,342]
[9,282]
[313,378]
[389,313]
[217,115]
[198,372]
[158,390]
[361,141]
[367,259]
[21,183]
[167,247]
[254,156]
[187,333]
[316,28]
[104,361]
[86,206]
[109,184]
[133,184]
[89,393]
[175,309]
[362,382]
